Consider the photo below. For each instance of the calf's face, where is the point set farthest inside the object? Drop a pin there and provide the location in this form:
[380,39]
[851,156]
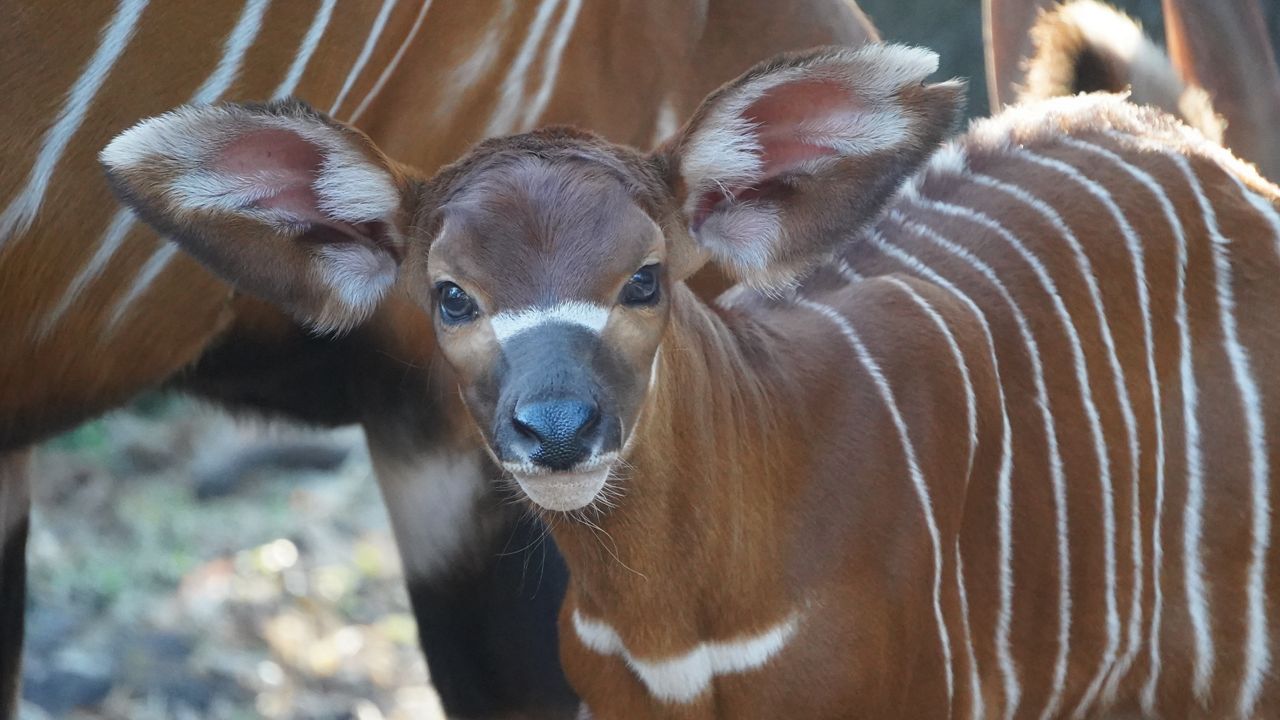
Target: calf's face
[551,287]
[547,261]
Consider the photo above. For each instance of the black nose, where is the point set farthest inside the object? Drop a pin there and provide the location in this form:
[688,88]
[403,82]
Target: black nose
[561,429]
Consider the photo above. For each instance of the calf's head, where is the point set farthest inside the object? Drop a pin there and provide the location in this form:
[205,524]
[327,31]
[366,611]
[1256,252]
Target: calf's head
[546,261]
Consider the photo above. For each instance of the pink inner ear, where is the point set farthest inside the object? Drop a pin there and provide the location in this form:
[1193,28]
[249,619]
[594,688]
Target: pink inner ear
[786,119]
[787,116]
[283,165]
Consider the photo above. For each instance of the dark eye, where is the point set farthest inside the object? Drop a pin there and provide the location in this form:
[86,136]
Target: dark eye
[642,288]
[456,306]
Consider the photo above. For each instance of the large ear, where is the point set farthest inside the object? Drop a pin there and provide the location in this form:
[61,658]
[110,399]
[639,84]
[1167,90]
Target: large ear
[779,167]
[277,199]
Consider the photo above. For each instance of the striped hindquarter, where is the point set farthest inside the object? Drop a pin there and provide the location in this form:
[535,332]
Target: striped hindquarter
[1126,275]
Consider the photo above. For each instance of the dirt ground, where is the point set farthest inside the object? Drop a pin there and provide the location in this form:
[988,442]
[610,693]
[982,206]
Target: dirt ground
[185,565]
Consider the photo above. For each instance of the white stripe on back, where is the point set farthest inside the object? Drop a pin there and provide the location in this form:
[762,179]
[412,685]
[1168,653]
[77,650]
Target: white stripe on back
[23,207]
[370,42]
[302,58]
[1192,518]
[463,78]
[918,482]
[1187,378]
[391,66]
[504,118]
[971,414]
[551,64]
[233,51]
[1170,214]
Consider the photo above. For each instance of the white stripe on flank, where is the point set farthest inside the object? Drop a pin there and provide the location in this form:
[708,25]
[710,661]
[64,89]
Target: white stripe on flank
[977,708]
[391,66]
[1092,418]
[971,408]
[1137,257]
[1192,519]
[966,381]
[1056,473]
[918,481]
[310,42]
[1186,378]
[1152,186]
[238,42]
[117,230]
[370,42]
[505,115]
[1262,518]
[684,678]
[24,206]
[1257,661]
[147,274]
[1004,488]
[591,316]
[551,64]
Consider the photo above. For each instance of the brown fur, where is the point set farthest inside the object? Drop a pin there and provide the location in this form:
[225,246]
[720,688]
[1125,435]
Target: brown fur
[766,476]
[191,329]
[710,533]
[419,117]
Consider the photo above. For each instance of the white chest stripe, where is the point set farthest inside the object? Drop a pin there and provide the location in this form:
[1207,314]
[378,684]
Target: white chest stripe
[507,325]
[684,677]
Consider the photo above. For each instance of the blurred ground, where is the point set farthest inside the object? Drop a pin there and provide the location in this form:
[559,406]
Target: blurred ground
[168,582]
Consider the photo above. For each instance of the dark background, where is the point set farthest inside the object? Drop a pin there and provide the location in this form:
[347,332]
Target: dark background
[954,29]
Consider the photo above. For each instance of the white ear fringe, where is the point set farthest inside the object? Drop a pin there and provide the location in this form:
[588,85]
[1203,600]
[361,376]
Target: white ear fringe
[723,150]
[360,278]
[184,142]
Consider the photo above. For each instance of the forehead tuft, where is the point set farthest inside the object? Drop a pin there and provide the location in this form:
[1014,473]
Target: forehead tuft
[537,230]
[545,201]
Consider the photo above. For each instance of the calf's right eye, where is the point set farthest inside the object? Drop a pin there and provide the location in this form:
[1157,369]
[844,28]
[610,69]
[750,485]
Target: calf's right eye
[456,306]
